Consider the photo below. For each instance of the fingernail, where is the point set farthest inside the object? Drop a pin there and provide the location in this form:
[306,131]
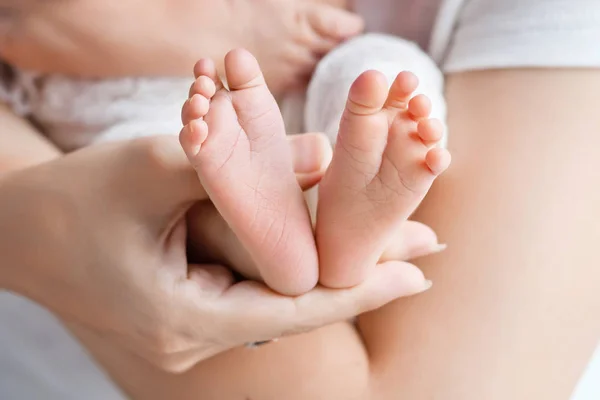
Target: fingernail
[427,285]
[438,248]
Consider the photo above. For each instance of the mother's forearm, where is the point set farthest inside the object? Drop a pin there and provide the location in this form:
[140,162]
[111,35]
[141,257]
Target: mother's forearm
[513,309]
[21,145]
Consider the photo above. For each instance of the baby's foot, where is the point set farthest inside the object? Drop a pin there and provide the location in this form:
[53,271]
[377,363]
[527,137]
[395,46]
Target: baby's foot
[384,163]
[235,139]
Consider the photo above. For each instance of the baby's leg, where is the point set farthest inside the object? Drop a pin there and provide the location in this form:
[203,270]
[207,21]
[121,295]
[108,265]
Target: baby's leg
[384,161]
[235,139]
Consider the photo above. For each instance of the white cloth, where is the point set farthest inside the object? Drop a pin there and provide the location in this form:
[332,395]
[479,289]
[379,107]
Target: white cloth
[517,33]
[74,113]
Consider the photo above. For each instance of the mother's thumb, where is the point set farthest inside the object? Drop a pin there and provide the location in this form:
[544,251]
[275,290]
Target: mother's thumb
[167,175]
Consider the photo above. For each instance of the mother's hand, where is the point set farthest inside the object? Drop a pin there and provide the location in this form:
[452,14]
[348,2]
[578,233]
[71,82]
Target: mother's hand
[99,238]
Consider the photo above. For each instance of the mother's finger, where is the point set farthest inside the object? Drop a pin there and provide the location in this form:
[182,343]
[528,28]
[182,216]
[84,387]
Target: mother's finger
[256,313]
[333,22]
[212,279]
[211,237]
[311,153]
[412,240]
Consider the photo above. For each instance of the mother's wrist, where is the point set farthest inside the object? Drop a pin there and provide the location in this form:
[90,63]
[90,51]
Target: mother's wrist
[9,263]
[24,240]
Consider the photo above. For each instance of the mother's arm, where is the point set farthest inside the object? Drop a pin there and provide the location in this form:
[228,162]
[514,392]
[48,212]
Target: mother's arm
[21,145]
[513,313]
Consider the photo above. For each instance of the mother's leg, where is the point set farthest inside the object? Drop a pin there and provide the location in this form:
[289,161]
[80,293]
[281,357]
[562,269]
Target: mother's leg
[513,312]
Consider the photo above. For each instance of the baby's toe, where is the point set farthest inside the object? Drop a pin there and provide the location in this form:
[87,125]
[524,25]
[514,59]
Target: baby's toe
[204,86]
[242,70]
[363,129]
[430,131]
[206,67]
[195,107]
[401,91]
[438,160]
[192,136]
[367,94]
[419,107]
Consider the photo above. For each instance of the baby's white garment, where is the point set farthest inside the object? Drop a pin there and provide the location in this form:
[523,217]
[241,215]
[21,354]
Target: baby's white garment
[488,34]
[329,86]
[74,113]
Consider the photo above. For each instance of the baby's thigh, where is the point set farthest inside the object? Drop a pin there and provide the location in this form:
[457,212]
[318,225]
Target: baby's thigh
[329,363]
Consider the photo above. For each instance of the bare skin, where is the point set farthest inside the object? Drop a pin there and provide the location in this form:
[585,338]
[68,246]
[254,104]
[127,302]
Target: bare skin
[236,141]
[383,165]
[91,38]
[528,298]
[134,195]
[512,313]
